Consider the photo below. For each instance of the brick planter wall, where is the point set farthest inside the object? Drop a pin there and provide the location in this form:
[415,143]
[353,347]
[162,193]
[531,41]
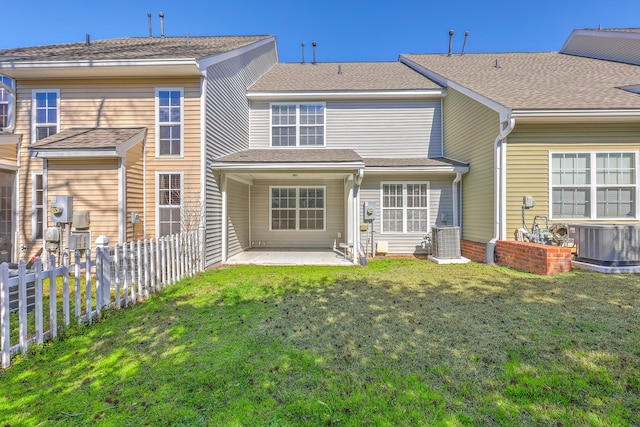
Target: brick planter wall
[475,251]
[533,257]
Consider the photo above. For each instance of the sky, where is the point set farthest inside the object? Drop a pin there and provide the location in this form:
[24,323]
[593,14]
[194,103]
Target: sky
[344,30]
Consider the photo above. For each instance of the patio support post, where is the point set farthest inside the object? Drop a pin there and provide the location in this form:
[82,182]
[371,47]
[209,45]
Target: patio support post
[224,223]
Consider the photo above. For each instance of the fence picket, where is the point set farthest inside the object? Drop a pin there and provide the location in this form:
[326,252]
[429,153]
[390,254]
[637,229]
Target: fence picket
[22,305]
[87,260]
[77,283]
[4,316]
[65,290]
[141,292]
[116,255]
[132,268]
[125,276]
[38,301]
[53,313]
[145,250]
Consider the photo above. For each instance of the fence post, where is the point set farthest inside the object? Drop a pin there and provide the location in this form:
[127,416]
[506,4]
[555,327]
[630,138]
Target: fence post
[88,297]
[103,271]
[53,312]
[38,302]
[125,273]
[142,291]
[132,267]
[174,260]
[78,282]
[116,254]
[4,315]
[159,263]
[98,280]
[152,264]
[22,305]
[164,258]
[65,288]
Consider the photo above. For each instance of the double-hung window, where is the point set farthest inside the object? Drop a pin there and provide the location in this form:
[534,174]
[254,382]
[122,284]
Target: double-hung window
[169,121]
[6,99]
[45,113]
[37,201]
[405,207]
[297,208]
[297,125]
[169,194]
[594,185]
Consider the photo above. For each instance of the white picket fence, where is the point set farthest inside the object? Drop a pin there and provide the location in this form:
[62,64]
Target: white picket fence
[118,276]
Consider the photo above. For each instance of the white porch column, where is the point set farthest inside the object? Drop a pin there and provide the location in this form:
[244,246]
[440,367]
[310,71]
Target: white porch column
[224,223]
[356,219]
[350,232]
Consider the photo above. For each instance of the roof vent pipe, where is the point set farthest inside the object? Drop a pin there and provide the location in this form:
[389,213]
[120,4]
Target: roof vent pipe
[188,38]
[314,44]
[87,40]
[161,15]
[497,63]
[464,43]
[149,24]
[339,69]
[303,52]
[450,41]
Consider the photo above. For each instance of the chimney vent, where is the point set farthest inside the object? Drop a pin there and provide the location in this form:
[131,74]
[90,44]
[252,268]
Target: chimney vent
[303,52]
[87,40]
[161,15]
[450,41]
[314,44]
[464,43]
[149,24]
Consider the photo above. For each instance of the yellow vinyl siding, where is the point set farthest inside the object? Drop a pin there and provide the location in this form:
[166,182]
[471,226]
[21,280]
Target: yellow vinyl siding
[112,103]
[528,150]
[8,154]
[470,130]
[135,192]
[94,187]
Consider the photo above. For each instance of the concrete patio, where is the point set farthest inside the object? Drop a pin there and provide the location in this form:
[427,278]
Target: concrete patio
[289,257]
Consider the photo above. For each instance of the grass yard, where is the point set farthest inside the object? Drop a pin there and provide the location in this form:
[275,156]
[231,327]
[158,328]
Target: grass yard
[400,342]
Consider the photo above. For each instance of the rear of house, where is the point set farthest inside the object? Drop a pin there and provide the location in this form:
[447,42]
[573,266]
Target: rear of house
[329,139]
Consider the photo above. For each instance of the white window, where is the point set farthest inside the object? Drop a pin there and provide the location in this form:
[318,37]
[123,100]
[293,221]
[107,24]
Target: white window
[297,208]
[169,121]
[45,113]
[405,207]
[594,185]
[6,99]
[37,203]
[297,125]
[169,201]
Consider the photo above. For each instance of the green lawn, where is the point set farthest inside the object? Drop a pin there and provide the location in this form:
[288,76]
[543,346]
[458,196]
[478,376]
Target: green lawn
[399,342]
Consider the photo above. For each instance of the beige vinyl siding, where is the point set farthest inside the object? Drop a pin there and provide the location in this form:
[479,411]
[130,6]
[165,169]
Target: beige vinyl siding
[440,203]
[227,127]
[116,102]
[94,187]
[8,154]
[370,128]
[528,150]
[134,192]
[238,213]
[470,130]
[334,214]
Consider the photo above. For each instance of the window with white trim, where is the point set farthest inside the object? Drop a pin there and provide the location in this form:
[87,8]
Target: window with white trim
[169,191]
[297,208]
[297,125]
[594,185]
[37,201]
[5,99]
[46,113]
[169,121]
[405,207]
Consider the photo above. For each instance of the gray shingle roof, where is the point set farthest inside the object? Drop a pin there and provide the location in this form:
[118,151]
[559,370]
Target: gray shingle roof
[132,48]
[302,155]
[341,76]
[544,80]
[389,162]
[88,138]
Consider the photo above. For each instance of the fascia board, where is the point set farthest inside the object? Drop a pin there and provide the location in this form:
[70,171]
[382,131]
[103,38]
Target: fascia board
[551,115]
[208,61]
[10,138]
[329,95]
[131,142]
[346,166]
[421,169]
[501,109]
[71,154]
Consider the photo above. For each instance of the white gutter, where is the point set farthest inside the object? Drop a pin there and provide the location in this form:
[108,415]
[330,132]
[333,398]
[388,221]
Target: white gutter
[499,186]
[12,109]
[311,166]
[348,94]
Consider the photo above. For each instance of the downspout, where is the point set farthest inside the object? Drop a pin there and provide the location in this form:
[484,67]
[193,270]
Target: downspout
[454,192]
[499,186]
[12,108]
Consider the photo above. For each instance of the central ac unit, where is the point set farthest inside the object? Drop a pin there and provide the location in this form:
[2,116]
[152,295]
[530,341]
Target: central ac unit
[445,242]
